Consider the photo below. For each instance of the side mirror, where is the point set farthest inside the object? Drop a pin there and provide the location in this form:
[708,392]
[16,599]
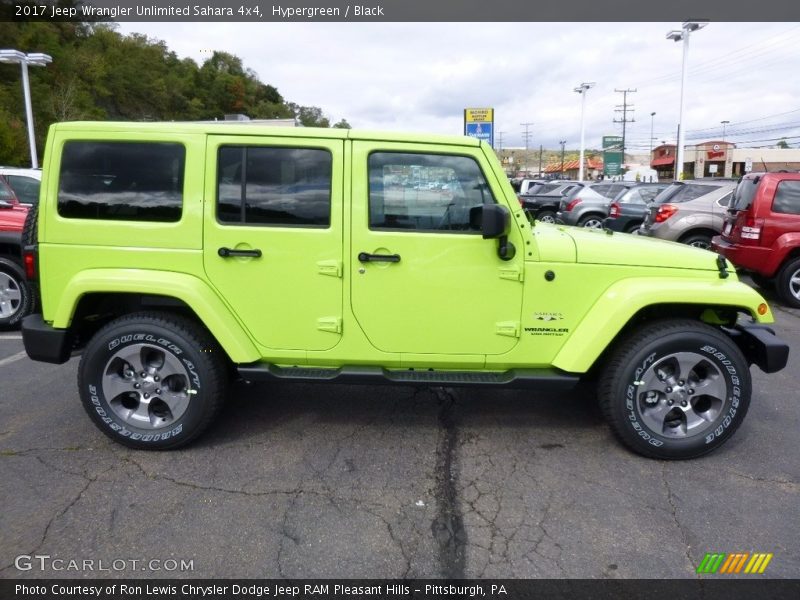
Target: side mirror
[4,204]
[494,222]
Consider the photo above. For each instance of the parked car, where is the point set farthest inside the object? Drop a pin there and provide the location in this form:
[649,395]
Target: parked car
[544,204]
[587,204]
[24,182]
[530,186]
[15,296]
[627,211]
[690,212]
[762,232]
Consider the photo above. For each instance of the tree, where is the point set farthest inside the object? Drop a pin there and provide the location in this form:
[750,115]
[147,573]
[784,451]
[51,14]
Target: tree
[783,144]
[343,124]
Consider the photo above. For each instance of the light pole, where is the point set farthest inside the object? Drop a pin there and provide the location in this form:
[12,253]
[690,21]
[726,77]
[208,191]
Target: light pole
[582,89]
[724,124]
[652,139]
[683,35]
[563,144]
[36,59]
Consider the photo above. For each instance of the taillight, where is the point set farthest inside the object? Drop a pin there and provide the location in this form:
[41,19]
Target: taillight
[613,210]
[29,260]
[572,205]
[665,211]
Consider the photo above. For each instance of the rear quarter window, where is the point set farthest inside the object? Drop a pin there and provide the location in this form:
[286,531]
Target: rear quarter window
[787,198]
[122,181]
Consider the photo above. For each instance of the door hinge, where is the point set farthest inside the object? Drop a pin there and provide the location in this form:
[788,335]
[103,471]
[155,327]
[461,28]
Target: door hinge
[507,328]
[512,272]
[332,268]
[332,324]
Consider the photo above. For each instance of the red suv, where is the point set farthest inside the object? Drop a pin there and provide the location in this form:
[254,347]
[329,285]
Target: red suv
[762,232]
[15,295]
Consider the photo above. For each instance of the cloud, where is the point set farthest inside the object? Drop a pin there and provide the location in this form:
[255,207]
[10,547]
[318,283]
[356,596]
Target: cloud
[420,76]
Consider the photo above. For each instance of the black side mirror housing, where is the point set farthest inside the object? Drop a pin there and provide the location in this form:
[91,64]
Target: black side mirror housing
[494,222]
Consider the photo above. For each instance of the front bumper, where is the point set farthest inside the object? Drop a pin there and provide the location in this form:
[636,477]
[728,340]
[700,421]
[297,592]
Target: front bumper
[45,343]
[760,345]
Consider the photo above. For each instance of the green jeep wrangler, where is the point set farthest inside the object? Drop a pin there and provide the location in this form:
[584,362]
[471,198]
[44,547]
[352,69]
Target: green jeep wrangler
[177,256]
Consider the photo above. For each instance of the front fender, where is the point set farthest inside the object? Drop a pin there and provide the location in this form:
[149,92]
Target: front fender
[620,302]
[208,306]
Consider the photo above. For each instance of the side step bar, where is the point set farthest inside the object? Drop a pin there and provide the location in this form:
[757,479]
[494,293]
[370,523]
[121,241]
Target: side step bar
[539,379]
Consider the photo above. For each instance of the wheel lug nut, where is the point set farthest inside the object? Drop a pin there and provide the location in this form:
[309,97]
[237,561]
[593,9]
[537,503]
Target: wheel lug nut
[136,385]
[669,390]
[146,396]
[670,402]
[143,374]
[158,390]
[681,382]
[683,402]
[156,378]
[691,391]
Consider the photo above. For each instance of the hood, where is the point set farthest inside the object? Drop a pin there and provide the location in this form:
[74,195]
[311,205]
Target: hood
[596,246]
[13,219]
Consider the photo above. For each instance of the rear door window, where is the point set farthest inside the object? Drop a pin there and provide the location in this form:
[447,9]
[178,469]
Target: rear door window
[787,198]
[684,192]
[744,194]
[26,188]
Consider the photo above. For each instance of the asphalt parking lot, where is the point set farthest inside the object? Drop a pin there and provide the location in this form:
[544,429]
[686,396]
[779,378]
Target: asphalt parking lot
[337,481]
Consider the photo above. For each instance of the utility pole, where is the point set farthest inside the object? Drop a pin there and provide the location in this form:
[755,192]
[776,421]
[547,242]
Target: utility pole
[652,139]
[527,137]
[582,89]
[541,149]
[624,108]
[563,144]
[500,140]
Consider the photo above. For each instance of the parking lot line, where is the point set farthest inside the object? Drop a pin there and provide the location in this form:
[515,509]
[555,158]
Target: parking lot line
[13,358]
[11,336]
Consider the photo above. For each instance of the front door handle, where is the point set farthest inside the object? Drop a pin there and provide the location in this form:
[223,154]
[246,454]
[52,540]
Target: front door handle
[367,257]
[227,252]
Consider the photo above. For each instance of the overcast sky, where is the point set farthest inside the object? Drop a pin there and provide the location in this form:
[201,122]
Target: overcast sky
[420,76]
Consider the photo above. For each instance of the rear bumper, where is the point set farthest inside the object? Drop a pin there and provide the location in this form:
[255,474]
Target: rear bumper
[761,346]
[619,224]
[43,342]
[752,258]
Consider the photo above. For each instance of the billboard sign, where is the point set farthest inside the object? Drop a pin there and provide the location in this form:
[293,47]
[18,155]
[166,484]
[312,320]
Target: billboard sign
[479,123]
[612,155]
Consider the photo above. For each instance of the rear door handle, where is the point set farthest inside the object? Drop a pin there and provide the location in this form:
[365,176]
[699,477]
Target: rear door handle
[367,257]
[227,252]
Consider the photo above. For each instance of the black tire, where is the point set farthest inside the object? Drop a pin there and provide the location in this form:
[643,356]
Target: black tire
[16,300]
[633,227]
[698,240]
[591,221]
[649,358]
[765,283]
[30,230]
[787,283]
[195,380]
[546,216]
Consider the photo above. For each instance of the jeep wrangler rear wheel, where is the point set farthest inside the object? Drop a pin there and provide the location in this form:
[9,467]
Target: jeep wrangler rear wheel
[15,295]
[675,389]
[152,381]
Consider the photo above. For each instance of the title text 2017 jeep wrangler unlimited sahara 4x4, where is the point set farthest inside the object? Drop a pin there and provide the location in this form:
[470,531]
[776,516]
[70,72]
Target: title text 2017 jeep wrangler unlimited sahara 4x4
[176,255]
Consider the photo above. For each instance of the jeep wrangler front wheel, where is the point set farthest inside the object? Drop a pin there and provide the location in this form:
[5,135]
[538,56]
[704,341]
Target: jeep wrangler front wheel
[675,389]
[152,381]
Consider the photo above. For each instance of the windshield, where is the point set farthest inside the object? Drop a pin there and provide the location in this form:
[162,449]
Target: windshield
[744,194]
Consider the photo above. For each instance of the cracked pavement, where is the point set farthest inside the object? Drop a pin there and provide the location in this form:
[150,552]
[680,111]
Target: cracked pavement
[394,482]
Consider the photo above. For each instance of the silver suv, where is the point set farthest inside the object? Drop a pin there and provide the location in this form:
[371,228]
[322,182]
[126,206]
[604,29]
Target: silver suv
[587,205]
[690,212]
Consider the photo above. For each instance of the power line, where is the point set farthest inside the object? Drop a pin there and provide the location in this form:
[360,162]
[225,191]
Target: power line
[624,109]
